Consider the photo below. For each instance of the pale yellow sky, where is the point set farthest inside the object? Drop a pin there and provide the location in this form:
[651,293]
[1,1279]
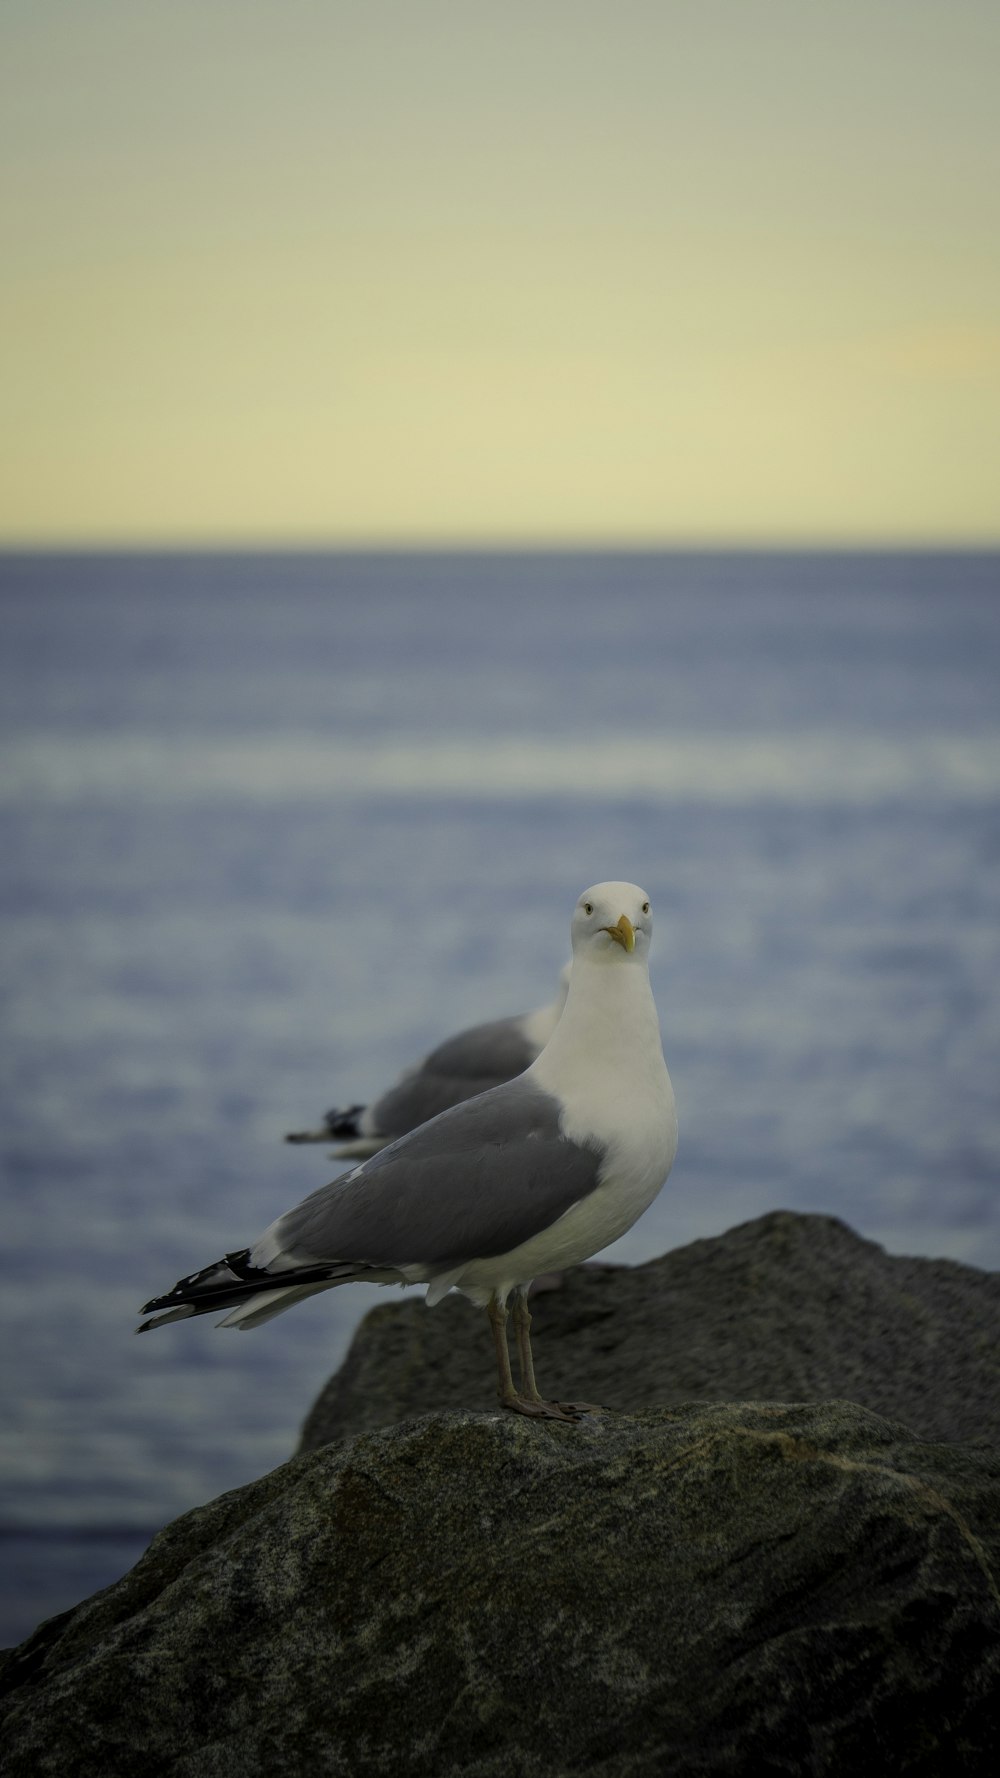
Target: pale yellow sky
[692,270]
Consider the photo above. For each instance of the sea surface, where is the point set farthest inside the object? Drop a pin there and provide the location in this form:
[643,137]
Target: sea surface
[272,825]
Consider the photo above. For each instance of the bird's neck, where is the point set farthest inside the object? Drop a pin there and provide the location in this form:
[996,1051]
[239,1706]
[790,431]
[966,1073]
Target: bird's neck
[609,1023]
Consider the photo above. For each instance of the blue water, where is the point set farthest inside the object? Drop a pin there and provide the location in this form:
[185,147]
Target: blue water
[272,825]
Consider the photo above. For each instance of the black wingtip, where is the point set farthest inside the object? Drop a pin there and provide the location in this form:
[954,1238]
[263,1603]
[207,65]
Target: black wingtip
[187,1290]
[338,1126]
[210,1289]
[343,1124]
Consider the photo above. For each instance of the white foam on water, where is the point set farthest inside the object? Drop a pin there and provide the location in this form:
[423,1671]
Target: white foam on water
[809,768]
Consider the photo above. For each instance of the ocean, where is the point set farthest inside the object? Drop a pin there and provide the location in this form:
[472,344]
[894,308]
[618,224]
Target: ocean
[273,825]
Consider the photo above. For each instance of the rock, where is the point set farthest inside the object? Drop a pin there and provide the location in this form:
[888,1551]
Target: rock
[785,1308]
[753,1588]
[760,1586]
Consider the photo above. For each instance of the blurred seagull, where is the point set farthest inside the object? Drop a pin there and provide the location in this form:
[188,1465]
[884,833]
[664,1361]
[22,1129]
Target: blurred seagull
[532,1176]
[466,1064]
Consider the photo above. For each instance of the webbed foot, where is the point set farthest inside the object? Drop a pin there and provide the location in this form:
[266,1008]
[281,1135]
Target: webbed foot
[539,1410]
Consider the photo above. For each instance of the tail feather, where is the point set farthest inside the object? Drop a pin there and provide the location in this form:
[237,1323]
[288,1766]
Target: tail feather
[229,1283]
[255,1310]
[341,1126]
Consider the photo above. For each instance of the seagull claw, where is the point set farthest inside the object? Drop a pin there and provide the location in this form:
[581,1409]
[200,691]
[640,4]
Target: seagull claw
[539,1410]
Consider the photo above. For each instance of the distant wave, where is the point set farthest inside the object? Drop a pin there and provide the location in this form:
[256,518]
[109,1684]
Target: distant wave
[805,768]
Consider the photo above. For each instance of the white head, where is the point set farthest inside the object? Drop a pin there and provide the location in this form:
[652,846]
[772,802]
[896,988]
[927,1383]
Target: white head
[612,923]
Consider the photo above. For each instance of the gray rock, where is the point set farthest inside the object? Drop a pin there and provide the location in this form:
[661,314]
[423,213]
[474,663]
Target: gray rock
[750,1587]
[785,1308]
[736,1589]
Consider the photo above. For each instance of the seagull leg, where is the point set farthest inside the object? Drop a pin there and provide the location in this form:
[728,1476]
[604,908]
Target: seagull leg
[522,1332]
[529,1388]
[531,1404]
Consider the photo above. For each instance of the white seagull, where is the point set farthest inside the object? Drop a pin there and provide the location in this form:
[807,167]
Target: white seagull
[529,1177]
[462,1066]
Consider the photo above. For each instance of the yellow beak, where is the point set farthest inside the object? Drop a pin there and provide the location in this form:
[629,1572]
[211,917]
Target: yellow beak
[623,934]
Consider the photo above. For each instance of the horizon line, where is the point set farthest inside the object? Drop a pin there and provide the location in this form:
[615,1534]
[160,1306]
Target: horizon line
[521,546]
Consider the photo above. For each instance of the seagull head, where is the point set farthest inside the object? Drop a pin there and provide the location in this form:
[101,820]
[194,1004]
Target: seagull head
[612,921]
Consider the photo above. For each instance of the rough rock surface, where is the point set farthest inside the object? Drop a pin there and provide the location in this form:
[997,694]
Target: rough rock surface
[785,1308]
[752,1588]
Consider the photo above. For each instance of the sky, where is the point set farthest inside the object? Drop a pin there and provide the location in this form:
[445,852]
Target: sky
[352,272]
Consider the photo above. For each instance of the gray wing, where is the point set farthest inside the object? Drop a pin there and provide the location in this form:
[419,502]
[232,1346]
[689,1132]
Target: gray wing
[498,1050]
[469,1063]
[474,1182]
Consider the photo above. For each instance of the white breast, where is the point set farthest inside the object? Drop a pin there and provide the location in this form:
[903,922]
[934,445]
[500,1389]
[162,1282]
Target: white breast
[613,1083]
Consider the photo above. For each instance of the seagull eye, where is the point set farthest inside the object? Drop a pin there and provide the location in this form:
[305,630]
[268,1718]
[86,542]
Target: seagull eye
[645,907]
[588,907]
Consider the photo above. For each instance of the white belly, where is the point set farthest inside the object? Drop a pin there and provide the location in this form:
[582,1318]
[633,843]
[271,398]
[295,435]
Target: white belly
[635,1175]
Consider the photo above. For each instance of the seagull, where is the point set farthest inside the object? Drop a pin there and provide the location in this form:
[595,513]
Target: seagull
[529,1177]
[466,1064]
